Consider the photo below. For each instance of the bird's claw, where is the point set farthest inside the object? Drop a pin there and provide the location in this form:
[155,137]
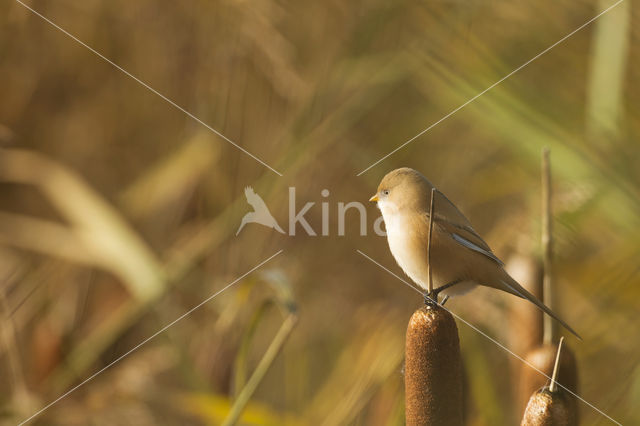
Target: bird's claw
[431,299]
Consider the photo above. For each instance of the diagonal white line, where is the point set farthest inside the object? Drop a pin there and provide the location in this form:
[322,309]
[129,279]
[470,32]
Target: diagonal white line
[493,340]
[145,85]
[492,86]
[163,329]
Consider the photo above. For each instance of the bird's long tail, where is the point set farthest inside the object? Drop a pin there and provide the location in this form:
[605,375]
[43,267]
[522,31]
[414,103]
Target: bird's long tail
[512,286]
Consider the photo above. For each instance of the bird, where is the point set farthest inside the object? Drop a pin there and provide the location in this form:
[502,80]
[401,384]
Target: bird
[260,213]
[460,259]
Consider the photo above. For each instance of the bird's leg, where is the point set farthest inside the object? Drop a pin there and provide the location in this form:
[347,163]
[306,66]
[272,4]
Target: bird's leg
[431,299]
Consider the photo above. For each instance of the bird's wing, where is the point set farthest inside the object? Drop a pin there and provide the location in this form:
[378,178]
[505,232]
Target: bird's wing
[468,238]
[444,208]
[453,222]
[469,244]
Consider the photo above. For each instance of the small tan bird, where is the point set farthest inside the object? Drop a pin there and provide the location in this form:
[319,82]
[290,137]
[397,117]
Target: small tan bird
[460,258]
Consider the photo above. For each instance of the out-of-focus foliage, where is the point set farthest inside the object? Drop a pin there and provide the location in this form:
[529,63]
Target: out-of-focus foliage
[118,212]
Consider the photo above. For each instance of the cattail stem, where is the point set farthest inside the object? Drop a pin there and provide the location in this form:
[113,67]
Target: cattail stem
[430,276]
[549,327]
[554,376]
[433,369]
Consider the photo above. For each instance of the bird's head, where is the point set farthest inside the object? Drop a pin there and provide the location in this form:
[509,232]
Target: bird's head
[402,190]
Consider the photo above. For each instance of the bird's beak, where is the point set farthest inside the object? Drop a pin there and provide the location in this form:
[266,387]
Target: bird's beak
[374,198]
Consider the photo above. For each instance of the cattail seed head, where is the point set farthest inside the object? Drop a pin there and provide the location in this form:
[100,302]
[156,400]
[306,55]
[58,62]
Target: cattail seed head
[551,405]
[548,408]
[433,369]
[542,358]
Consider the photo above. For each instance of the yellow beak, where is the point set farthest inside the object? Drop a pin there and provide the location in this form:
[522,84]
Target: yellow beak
[374,198]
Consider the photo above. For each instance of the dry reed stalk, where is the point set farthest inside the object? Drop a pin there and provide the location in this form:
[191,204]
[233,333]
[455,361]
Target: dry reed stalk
[433,369]
[551,405]
[17,386]
[430,277]
[542,357]
[550,330]
[261,370]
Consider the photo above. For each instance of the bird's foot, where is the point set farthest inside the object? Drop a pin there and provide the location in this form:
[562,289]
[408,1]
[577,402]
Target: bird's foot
[431,299]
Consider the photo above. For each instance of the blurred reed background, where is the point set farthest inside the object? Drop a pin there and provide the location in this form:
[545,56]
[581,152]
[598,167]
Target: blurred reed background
[118,212]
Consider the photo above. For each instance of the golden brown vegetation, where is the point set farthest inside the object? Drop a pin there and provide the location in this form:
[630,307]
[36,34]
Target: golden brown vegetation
[134,224]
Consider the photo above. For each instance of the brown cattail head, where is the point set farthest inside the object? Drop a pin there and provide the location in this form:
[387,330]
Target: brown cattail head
[433,369]
[548,408]
[551,405]
[543,359]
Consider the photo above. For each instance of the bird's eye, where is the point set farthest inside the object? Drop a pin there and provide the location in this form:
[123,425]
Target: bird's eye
[385,192]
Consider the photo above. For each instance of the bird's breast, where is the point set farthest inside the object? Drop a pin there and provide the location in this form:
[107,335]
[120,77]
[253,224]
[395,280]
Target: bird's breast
[407,236]
[406,246]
